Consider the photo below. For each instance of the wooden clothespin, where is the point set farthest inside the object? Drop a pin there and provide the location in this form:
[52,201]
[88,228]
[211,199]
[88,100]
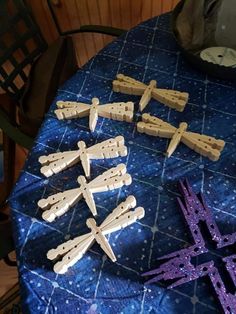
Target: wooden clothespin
[57,204]
[73,250]
[54,163]
[206,146]
[171,98]
[121,111]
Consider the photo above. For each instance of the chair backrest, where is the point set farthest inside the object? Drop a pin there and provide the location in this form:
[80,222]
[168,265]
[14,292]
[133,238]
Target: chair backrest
[21,43]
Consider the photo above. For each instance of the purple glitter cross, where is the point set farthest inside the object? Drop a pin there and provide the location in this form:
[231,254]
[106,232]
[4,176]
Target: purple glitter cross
[179,264]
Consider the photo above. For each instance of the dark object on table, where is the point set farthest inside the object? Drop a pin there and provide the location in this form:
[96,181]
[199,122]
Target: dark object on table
[180,266]
[202,24]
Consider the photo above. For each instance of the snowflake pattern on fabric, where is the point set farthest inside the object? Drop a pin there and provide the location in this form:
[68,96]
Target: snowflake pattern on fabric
[95,284]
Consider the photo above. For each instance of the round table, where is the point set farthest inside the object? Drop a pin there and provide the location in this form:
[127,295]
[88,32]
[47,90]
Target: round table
[95,284]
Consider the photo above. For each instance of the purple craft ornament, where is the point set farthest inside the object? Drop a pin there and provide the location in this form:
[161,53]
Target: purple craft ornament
[179,264]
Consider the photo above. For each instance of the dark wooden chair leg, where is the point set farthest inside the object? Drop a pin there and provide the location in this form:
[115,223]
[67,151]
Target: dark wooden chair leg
[9,262]
[8,153]
[3,217]
[6,239]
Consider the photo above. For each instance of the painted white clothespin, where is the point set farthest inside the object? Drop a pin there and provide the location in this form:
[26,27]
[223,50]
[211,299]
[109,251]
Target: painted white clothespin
[57,162]
[73,250]
[206,146]
[171,98]
[121,111]
[57,204]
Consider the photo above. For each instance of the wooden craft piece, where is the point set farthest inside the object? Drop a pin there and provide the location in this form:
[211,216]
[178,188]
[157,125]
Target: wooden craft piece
[73,250]
[206,146]
[56,162]
[121,111]
[58,204]
[171,98]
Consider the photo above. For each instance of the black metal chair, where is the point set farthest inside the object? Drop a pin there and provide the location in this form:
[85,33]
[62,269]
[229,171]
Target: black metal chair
[36,69]
[30,74]
[30,70]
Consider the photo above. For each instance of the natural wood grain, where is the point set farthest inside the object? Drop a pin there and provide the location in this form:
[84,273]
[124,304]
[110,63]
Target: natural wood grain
[104,17]
[84,19]
[93,8]
[166,5]
[136,12]
[8,275]
[73,13]
[43,19]
[126,15]
[157,7]
[146,10]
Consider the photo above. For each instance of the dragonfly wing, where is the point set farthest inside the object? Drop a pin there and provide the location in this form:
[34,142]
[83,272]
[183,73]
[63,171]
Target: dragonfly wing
[111,183]
[122,208]
[106,149]
[213,142]
[73,256]
[201,147]
[63,248]
[118,170]
[127,79]
[117,111]
[154,130]
[58,162]
[171,99]
[62,204]
[124,220]
[147,118]
[75,110]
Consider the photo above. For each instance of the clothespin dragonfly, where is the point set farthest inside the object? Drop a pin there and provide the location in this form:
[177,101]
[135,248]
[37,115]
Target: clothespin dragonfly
[73,250]
[57,204]
[55,163]
[121,111]
[206,146]
[171,98]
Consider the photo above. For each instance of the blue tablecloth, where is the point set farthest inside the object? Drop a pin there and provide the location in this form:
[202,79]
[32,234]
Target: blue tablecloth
[95,284]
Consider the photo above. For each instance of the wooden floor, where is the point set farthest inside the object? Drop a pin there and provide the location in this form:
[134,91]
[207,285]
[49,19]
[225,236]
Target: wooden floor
[9,275]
